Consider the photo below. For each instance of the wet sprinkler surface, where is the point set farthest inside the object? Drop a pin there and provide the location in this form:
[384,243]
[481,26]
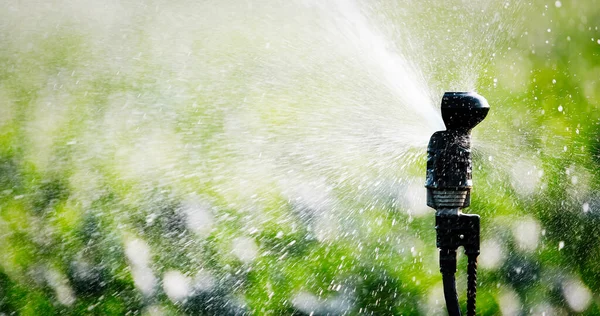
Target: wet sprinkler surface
[268,158]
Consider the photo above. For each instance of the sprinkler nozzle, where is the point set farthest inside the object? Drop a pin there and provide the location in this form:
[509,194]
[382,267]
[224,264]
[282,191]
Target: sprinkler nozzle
[463,110]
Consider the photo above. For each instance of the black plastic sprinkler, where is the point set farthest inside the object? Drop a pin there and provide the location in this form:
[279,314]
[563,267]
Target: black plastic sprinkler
[449,184]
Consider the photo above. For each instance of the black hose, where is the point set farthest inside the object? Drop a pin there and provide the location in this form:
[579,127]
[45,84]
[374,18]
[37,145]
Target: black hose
[448,269]
[471,284]
[450,295]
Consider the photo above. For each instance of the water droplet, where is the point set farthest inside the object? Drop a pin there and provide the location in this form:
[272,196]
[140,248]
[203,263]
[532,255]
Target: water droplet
[176,285]
[558,4]
[553,81]
[561,245]
[586,207]
[549,30]
[577,295]
[560,108]
[526,232]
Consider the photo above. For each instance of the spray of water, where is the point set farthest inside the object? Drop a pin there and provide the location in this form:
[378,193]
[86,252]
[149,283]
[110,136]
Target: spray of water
[322,105]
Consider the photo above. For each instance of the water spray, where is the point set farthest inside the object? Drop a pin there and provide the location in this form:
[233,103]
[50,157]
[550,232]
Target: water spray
[449,183]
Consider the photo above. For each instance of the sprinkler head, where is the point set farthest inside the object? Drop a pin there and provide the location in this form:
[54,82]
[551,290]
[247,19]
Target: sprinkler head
[463,110]
[449,163]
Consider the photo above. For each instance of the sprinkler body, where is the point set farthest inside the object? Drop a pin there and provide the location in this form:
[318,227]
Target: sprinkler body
[449,183]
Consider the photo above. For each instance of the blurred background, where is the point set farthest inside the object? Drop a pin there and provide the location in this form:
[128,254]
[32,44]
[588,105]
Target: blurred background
[268,157]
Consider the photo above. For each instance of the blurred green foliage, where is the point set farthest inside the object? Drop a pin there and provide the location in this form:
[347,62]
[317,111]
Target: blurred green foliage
[68,211]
